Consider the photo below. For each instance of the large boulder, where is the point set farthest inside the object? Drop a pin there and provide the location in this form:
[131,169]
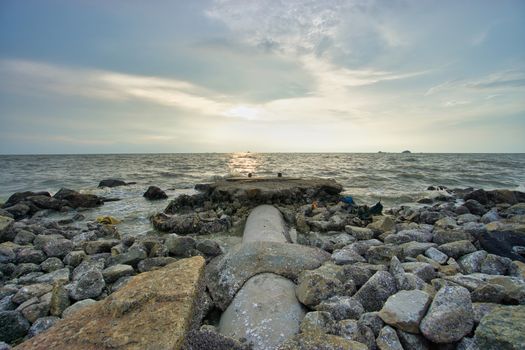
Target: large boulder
[500,237]
[155,310]
[502,329]
[450,316]
[154,193]
[226,274]
[265,312]
[78,200]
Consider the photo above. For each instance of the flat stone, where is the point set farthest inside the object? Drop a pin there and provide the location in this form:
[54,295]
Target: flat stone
[346,256]
[360,233]
[264,311]
[265,223]
[113,273]
[457,249]
[436,255]
[155,310]
[405,310]
[413,249]
[503,328]
[226,274]
[450,316]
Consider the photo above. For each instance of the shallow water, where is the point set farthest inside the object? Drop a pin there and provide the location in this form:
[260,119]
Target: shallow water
[368,177]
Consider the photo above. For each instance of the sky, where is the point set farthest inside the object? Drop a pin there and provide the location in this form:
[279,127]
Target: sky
[128,76]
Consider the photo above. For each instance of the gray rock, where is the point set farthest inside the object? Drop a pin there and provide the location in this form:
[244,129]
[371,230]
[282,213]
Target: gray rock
[100,246]
[4,346]
[227,273]
[59,300]
[373,321]
[503,328]
[149,264]
[6,303]
[24,237]
[74,258]
[483,309]
[413,341]
[360,233]
[467,344]
[135,254]
[320,321]
[382,254]
[495,265]
[265,312]
[111,183]
[154,193]
[113,273]
[41,239]
[489,293]
[180,245]
[6,223]
[490,216]
[61,275]
[265,223]
[466,218]
[475,207]
[413,249]
[346,256]
[27,292]
[77,306]
[51,264]
[422,270]
[450,316]
[436,255]
[353,330]
[382,224]
[209,247]
[314,286]
[449,236]
[12,326]
[87,265]
[471,263]
[89,285]
[388,340]
[341,307]
[35,311]
[7,255]
[405,310]
[376,291]
[41,325]
[28,255]
[121,282]
[58,248]
[501,236]
[457,249]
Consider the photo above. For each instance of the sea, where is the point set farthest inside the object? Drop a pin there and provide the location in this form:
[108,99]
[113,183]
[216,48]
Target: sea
[393,178]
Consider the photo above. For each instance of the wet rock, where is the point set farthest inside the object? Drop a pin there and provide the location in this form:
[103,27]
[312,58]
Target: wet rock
[388,340]
[376,291]
[471,263]
[429,217]
[12,326]
[320,321]
[503,328]
[180,245]
[111,183]
[6,232]
[475,207]
[78,200]
[41,325]
[436,255]
[154,193]
[88,285]
[450,316]
[51,264]
[18,211]
[113,273]
[501,237]
[151,264]
[503,196]
[24,237]
[405,310]
[265,311]
[227,273]
[457,249]
[495,265]
[341,307]
[155,310]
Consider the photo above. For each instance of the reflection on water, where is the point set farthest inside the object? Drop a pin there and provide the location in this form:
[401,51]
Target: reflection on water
[243,163]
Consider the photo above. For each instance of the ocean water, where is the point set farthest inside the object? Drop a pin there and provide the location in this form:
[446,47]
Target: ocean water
[393,178]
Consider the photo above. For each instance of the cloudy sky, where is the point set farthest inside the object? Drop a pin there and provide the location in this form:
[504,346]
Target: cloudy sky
[116,76]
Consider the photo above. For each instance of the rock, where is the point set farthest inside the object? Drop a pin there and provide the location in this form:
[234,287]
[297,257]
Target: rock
[78,200]
[360,233]
[7,255]
[61,275]
[414,341]
[28,255]
[89,285]
[382,224]
[471,263]
[59,300]
[150,264]
[449,236]
[265,223]
[346,256]
[503,328]
[133,256]
[489,293]
[25,268]
[181,224]
[12,326]
[413,249]
[341,307]
[501,237]
[477,195]
[209,247]
[373,321]
[41,325]
[59,247]
[180,245]
[502,196]
[321,341]
[111,183]
[388,340]
[376,291]
[495,265]
[405,310]
[4,346]
[113,273]
[154,193]
[31,291]
[429,217]
[352,330]
[6,232]
[51,264]
[436,255]
[382,254]
[450,316]
[227,273]
[155,310]
[475,207]
[467,218]
[35,311]
[314,286]
[100,246]
[205,339]
[6,303]
[422,270]
[517,269]
[24,237]
[77,306]
[320,321]
[264,311]
[457,249]
[490,216]
[86,266]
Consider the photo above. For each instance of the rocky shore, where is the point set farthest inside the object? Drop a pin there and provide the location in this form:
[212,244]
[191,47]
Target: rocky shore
[445,273]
